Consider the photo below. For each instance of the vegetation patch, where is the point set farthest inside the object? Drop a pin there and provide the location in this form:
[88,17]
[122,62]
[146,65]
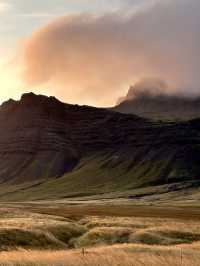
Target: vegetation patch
[154,237]
[19,238]
[67,233]
[103,236]
[184,237]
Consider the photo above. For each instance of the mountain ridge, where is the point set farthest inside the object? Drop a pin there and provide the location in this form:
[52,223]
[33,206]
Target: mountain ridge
[160,106]
[49,149]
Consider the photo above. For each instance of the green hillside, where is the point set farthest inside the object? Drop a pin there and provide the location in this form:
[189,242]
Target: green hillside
[105,176]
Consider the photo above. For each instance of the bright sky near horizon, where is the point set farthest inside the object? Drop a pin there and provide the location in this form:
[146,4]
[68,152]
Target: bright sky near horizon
[19,18]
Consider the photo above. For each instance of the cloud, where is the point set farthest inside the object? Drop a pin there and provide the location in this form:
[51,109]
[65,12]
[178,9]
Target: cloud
[71,6]
[4,7]
[91,59]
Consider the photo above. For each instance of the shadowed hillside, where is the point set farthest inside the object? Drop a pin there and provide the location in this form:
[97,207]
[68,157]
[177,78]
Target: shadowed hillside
[160,106]
[54,150]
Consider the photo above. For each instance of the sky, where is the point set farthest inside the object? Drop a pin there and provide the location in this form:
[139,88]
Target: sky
[19,18]
[91,51]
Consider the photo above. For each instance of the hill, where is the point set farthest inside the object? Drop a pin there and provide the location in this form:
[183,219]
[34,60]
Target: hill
[160,106]
[52,150]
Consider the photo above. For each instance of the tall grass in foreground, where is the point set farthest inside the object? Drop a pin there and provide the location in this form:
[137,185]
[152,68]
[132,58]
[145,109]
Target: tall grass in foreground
[123,255]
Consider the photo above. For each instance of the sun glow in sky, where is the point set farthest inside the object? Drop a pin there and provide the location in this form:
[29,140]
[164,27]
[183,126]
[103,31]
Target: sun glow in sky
[19,18]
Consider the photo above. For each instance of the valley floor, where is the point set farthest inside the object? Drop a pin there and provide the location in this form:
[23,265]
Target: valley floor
[98,234]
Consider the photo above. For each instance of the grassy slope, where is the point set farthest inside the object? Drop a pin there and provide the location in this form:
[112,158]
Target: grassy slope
[102,175]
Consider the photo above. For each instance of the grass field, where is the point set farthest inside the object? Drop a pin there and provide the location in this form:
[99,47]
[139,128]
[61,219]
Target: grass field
[94,234]
[126,255]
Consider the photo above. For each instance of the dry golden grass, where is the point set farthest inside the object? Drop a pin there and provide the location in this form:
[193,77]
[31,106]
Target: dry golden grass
[33,239]
[24,229]
[120,255]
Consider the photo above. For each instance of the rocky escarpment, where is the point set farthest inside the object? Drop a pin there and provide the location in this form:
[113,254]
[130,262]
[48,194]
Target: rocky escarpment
[160,106]
[33,139]
[42,137]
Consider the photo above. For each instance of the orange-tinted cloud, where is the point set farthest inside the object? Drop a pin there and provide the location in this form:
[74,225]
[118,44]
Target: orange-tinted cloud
[91,59]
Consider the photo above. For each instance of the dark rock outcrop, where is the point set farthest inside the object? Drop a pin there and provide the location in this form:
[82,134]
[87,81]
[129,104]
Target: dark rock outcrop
[41,137]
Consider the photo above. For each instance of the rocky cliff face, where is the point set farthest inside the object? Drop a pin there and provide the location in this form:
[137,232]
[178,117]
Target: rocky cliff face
[41,137]
[34,142]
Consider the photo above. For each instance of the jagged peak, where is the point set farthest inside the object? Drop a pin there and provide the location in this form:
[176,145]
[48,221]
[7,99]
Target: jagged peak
[28,95]
[32,100]
[32,97]
[8,104]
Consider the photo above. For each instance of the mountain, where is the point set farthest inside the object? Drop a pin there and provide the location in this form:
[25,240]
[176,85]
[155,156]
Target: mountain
[51,150]
[159,106]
